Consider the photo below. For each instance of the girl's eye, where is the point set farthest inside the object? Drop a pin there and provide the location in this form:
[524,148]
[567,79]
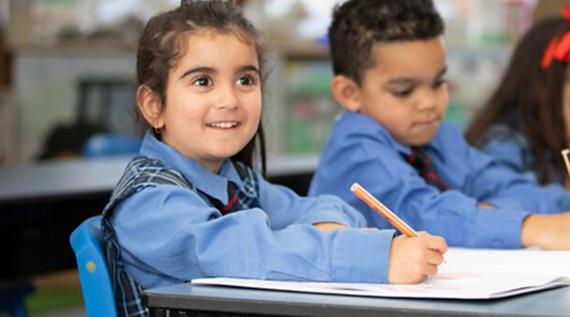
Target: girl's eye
[202,81]
[247,80]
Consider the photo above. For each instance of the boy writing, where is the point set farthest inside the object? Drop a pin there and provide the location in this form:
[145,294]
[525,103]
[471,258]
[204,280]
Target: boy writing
[389,64]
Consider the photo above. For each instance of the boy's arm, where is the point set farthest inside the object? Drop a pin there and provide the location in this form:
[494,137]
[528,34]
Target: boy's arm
[174,233]
[376,165]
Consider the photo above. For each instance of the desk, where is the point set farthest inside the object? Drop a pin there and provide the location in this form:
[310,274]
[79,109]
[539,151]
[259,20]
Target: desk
[41,204]
[247,302]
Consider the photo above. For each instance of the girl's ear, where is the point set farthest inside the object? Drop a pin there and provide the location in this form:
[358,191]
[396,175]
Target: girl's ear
[346,92]
[150,106]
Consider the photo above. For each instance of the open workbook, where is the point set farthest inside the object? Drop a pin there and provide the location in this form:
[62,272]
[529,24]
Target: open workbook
[466,274]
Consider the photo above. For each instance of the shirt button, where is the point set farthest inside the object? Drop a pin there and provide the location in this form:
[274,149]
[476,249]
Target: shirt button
[498,243]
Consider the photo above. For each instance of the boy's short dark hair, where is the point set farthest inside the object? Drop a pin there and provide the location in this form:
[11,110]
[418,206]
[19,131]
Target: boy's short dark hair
[359,24]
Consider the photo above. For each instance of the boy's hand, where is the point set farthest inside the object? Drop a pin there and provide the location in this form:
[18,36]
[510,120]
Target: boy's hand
[549,232]
[329,226]
[412,260]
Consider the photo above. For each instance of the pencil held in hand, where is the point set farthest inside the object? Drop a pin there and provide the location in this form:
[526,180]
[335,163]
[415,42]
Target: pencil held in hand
[378,207]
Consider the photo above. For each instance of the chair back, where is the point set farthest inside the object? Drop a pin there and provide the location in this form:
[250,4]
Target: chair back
[88,244]
[110,144]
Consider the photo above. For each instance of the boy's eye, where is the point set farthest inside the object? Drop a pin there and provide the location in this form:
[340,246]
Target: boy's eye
[439,83]
[402,93]
[202,81]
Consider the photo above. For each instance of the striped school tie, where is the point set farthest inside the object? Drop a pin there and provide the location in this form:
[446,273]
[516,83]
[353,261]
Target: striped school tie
[423,165]
[234,203]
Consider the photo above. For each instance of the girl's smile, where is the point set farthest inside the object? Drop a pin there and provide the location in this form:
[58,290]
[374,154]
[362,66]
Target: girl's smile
[224,125]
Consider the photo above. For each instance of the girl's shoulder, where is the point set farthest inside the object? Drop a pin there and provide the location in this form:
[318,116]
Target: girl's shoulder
[143,170]
[143,173]
[504,132]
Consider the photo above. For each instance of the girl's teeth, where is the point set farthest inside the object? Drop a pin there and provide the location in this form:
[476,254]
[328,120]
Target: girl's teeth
[224,125]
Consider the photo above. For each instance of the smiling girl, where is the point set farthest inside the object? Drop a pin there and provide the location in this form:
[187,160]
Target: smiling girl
[191,205]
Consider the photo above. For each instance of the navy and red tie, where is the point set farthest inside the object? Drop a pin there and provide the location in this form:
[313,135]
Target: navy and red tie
[423,165]
[233,199]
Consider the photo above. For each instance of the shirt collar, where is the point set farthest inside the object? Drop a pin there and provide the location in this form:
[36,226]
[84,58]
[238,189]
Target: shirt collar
[209,183]
[362,122]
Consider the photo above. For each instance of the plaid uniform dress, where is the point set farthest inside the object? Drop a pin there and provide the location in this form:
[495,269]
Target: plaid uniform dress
[142,173]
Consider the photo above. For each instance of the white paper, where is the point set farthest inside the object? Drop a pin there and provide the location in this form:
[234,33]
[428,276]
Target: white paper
[466,274]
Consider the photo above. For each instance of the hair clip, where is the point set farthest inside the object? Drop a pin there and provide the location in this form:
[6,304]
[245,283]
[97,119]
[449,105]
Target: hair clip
[566,12]
[559,47]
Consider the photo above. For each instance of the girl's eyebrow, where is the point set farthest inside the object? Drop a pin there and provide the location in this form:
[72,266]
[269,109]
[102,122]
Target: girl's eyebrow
[248,68]
[207,70]
[210,70]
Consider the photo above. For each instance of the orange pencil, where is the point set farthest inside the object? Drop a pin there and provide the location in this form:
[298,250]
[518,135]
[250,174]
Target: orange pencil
[382,210]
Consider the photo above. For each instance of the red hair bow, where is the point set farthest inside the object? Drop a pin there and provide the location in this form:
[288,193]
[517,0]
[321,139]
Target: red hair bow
[559,47]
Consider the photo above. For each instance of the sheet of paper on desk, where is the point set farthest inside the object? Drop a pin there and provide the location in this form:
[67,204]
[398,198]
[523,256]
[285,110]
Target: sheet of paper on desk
[467,274]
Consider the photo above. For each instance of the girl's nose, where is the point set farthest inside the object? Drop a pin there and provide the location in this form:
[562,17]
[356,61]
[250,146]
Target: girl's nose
[228,99]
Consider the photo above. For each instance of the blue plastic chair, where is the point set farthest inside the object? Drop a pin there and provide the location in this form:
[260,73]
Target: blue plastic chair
[109,144]
[88,244]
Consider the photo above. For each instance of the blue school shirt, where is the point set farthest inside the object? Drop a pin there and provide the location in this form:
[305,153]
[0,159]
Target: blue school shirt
[509,148]
[170,235]
[360,150]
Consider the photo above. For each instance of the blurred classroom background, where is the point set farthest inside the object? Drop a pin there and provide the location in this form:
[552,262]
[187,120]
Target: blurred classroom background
[67,72]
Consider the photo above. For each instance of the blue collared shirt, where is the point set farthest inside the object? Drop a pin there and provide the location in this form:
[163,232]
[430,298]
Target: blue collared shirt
[360,150]
[169,234]
[509,148]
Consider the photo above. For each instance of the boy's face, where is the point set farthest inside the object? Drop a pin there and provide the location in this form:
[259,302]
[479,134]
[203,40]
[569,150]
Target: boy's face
[213,98]
[405,90]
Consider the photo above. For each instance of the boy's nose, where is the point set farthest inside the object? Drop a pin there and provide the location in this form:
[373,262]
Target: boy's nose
[427,100]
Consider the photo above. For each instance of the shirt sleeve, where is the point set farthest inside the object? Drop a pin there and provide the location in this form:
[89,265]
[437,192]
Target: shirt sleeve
[490,180]
[560,195]
[451,214]
[511,152]
[177,235]
[284,207]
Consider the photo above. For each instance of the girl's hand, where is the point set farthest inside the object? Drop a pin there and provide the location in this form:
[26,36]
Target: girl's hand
[549,232]
[412,260]
[329,226]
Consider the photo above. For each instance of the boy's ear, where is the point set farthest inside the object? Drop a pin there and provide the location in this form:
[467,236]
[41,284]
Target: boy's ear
[150,106]
[346,92]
